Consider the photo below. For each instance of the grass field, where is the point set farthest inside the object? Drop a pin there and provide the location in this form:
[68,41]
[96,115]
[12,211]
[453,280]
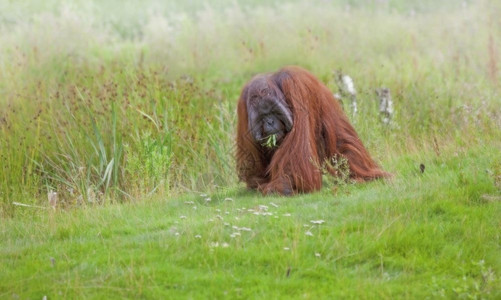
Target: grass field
[128,114]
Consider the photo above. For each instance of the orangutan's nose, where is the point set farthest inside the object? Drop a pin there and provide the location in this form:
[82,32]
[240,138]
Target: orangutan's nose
[269,126]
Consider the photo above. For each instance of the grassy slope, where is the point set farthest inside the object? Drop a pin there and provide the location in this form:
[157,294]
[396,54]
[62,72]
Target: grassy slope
[93,106]
[419,235]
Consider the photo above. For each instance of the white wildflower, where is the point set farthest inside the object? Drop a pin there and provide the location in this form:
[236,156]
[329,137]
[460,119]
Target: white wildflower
[263,207]
[317,222]
[235,234]
[241,228]
[348,84]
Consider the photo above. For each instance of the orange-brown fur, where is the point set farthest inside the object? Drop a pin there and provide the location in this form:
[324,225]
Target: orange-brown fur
[320,131]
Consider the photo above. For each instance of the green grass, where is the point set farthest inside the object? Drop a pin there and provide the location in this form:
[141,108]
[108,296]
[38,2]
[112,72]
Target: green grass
[128,112]
[432,235]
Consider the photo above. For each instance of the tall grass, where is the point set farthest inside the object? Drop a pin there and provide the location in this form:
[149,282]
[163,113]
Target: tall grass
[119,106]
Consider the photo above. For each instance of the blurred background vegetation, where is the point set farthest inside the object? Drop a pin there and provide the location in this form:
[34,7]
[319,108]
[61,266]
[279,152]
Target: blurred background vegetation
[121,100]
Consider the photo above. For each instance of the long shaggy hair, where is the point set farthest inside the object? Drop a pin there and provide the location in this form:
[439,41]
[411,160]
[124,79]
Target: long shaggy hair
[320,132]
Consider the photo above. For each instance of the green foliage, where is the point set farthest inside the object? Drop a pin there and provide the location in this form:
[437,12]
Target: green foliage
[104,102]
[270,141]
[76,91]
[421,235]
[149,162]
[340,167]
